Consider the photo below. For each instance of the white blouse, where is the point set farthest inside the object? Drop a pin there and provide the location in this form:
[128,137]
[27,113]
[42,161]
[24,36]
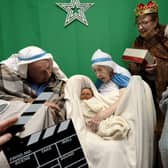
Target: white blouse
[106,88]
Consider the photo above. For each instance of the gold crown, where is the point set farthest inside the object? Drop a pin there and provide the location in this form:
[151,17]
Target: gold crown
[142,9]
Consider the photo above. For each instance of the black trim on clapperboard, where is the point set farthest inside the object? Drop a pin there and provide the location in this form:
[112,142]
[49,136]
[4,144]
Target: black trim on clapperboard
[57,146]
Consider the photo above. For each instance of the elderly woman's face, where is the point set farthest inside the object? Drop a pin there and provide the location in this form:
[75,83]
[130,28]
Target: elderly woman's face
[39,72]
[103,73]
[146,26]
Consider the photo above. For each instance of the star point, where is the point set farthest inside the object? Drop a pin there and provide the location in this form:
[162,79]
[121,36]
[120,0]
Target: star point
[75,11]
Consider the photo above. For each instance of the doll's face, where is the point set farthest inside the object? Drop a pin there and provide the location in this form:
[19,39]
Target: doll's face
[86,94]
[146,26]
[103,73]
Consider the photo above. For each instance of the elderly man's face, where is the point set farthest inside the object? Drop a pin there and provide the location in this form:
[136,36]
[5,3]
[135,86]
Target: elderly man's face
[40,71]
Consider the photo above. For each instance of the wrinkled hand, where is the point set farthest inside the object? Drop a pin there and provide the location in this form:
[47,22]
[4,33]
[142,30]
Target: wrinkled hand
[93,124]
[150,67]
[28,100]
[4,125]
[52,105]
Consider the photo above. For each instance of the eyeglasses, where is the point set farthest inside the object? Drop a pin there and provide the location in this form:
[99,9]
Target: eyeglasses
[143,23]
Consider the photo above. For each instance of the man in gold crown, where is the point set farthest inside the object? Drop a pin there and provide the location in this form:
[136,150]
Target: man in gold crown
[154,37]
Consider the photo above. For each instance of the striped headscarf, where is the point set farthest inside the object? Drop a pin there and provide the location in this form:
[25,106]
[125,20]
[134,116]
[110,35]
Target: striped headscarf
[101,58]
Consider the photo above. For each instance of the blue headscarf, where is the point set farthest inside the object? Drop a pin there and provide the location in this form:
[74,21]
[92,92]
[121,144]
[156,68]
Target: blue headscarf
[119,79]
[121,75]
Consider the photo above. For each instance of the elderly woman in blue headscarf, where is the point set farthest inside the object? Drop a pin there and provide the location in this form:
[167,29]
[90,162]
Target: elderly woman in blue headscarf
[110,76]
[111,79]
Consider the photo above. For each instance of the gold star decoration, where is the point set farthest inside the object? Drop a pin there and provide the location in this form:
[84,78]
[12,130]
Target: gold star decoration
[75,11]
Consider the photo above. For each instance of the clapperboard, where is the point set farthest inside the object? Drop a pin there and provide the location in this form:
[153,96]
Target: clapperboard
[55,147]
[30,111]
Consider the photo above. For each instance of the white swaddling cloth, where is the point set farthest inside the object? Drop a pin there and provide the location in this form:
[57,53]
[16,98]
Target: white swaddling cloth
[113,127]
[136,150]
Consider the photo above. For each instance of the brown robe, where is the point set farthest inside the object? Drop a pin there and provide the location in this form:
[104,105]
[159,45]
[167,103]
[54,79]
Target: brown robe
[158,47]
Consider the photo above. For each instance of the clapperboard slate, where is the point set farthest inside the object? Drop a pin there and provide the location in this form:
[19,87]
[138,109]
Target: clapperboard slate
[55,147]
[30,111]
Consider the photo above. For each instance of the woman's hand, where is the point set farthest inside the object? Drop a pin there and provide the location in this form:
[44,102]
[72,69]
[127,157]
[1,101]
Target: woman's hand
[93,124]
[150,68]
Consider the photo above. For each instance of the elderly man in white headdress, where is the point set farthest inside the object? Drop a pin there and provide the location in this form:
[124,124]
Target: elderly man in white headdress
[110,76]
[28,73]
[23,77]
[35,67]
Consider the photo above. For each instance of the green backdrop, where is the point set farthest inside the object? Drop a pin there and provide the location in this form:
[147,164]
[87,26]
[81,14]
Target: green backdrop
[40,22]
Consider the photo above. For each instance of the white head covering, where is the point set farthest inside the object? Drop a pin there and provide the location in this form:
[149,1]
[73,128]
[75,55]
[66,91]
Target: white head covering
[18,62]
[101,58]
